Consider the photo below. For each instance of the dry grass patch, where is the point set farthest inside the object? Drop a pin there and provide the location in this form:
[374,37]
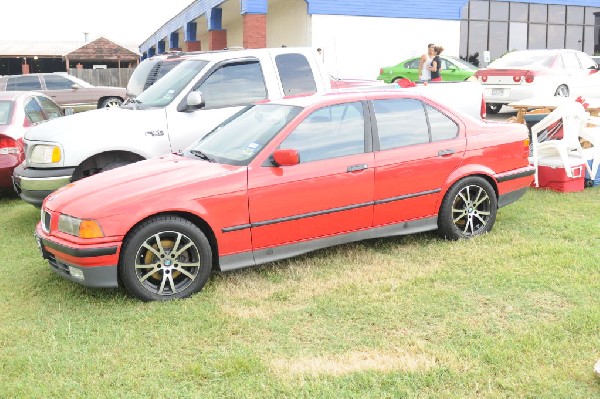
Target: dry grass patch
[249,294]
[353,362]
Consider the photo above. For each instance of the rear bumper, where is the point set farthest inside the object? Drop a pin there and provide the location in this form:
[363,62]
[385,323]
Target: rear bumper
[34,185]
[514,184]
[8,162]
[89,266]
[514,93]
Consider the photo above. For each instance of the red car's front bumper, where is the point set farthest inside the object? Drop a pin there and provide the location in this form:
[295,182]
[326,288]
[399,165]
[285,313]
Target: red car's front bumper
[89,265]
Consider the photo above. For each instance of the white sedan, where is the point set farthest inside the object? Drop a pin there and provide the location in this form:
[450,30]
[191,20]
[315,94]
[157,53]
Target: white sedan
[519,75]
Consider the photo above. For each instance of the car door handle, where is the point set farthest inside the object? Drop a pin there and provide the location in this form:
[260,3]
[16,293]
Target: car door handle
[356,168]
[443,153]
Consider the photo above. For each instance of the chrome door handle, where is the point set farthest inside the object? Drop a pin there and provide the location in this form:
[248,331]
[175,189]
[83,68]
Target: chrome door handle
[356,168]
[443,153]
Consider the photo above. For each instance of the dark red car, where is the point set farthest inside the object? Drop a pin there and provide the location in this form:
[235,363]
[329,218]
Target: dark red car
[284,178]
[18,112]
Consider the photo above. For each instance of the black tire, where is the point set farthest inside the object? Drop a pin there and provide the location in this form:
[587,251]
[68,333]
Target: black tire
[562,91]
[111,102]
[395,80]
[152,258]
[468,209]
[493,108]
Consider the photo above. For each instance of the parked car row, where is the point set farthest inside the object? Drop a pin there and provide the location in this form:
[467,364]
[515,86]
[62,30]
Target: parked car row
[267,161]
[66,90]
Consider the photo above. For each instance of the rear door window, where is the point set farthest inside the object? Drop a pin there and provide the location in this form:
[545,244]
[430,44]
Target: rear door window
[57,83]
[23,83]
[400,123]
[296,74]
[34,111]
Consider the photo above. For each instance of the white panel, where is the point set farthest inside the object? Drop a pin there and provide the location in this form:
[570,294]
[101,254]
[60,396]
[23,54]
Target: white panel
[356,47]
[288,24]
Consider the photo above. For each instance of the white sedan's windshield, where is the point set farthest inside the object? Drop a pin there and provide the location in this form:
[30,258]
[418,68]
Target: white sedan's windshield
[238,140]
[167,88]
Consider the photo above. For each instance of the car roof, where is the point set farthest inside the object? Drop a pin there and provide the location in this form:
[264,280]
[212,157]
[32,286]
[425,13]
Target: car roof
[14,95]
[347,95]
[241,53]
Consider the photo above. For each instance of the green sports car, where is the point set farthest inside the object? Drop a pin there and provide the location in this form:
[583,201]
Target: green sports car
[453,69]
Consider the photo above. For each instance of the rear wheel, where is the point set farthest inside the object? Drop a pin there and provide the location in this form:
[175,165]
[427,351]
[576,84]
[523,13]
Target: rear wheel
[395,80]
[493,108]
[469,209]
[562,91]
[166,257]
[111,102]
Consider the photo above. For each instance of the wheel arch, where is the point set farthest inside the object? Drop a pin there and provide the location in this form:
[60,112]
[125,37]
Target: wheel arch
[96,161]
[456,177]
[190,217]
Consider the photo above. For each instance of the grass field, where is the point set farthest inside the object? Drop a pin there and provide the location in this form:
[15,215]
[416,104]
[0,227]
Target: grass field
[513,314]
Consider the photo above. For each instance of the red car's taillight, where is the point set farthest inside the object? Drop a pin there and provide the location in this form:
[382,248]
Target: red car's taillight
[8,145]
[517,78]
[483,111]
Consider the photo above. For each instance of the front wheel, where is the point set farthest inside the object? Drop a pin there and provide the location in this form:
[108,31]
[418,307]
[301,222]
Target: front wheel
[166,257]
[468,209]
[562,91]
[111,102]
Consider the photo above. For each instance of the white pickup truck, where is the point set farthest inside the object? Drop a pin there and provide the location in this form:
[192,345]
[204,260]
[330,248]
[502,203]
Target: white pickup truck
[188,102]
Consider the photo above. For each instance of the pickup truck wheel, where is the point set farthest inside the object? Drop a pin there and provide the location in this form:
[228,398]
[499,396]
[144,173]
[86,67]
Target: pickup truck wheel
[164,258]
[111,102]
[562,91]
[468,209]
[493,108]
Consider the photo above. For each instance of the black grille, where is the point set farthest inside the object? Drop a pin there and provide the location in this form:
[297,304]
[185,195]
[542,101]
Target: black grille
[46,218]
[58,266]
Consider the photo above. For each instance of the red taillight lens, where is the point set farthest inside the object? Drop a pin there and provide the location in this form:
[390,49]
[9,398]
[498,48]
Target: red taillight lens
[483,111]
[381,71]
[8,145]
[529,77]
[483,78]
[516,78]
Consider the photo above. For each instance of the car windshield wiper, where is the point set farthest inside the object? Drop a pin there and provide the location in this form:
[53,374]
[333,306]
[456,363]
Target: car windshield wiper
[202,155]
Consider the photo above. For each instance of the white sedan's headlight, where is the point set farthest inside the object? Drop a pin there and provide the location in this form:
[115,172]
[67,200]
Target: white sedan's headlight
[44,153]
[84,228]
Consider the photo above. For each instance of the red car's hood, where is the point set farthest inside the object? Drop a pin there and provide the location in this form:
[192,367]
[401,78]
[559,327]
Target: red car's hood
[111,192]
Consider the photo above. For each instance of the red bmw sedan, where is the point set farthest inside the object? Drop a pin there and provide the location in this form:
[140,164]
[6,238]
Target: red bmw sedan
[280,179]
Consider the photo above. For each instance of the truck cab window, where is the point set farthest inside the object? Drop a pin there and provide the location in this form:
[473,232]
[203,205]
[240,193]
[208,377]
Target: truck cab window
[234,84]
[296,75]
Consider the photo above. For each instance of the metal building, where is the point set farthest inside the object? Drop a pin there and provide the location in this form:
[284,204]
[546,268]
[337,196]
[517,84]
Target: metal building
[356,37]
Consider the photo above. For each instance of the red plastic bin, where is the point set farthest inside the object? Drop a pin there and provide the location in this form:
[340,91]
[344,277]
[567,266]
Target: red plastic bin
[552,174]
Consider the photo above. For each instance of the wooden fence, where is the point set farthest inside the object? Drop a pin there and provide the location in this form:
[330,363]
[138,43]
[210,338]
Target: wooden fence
[104,77]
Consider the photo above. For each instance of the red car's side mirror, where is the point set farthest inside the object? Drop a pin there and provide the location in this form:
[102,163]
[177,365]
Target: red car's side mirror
[286,157]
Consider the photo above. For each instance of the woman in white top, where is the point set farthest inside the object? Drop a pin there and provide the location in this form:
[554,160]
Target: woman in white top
[424,62]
